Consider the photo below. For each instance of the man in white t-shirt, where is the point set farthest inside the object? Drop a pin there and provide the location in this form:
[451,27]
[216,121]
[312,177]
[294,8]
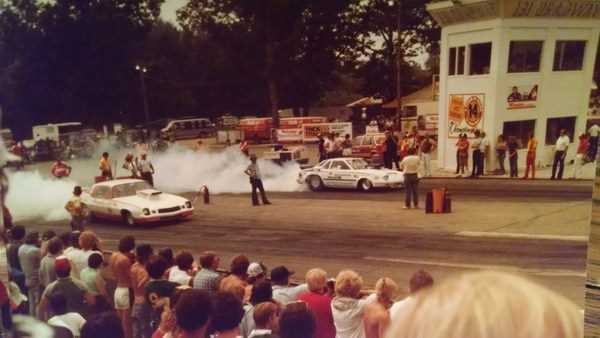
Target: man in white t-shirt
[484,147]
[420,280]
[476,146]
[594,131]
[70,320]
[410,167]
[560,152]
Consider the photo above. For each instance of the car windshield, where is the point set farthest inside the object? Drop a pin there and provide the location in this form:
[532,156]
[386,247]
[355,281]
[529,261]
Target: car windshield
[129,189]
[358,164]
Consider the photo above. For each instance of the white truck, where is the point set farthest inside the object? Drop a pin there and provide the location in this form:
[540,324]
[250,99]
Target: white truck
[55,131]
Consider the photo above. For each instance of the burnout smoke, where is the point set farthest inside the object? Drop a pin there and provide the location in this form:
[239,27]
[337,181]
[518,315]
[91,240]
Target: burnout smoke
[36,195]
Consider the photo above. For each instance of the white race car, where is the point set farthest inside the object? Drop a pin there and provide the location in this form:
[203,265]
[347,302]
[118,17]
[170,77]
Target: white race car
[348,172]
[134,201]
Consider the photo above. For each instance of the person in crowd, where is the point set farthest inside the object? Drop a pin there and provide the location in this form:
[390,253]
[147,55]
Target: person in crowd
[256,274]
[15,271]
[266,317]
[167,254]
[513,156]
[77,209]
[348,307]
[338,142]
[130,166]
[282,291]
[581,156]
[501,153]
[322,150]
[47,272]
[297,321]
[146,169]
[75,292]
[487,304]
[319,302]
[46,237]
[74,252]
[347,146]
[420,280]
[120,264]
[531,152]
[484,149]
[30,259]
[70,320]
[476,146]
[141,310]
[208,278]
[193,313]
[183,271]
[462,147]
[376,318]
[103,325]
[397,156]
[158,288]
[390,148]
[238,268]
[560,153]
[226,316]
[427,147]
[60,169]
[410,166]
[88,245]
[105,168]
[261,292]
[593,133]
[253,172]
[91,276]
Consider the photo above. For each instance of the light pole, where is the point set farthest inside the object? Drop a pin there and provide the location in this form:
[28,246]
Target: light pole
[142,70]
[399,56]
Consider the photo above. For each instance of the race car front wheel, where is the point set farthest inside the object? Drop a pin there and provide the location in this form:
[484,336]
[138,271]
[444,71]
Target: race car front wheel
[315,183]
[128,218]
[365,185]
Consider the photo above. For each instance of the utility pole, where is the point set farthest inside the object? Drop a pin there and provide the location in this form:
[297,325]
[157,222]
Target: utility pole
[399,57]
[142,70]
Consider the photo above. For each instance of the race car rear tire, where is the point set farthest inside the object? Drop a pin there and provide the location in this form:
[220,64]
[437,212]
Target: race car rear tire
[365,185]
[127,218]
[314,183]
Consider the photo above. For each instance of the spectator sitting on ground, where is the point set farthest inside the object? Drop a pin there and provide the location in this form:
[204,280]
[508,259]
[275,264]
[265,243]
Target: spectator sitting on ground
[377,317]
[488,304]
[238,268]
[181,273]
[208,278]
[319,302]
[348,307]
[193,312]
[420,280]
[47,272]
[261,292]
[297,321]
[73,290]
[70,320]
[282,291]
[266,317]
[103,325]
[91,276]
[227,315]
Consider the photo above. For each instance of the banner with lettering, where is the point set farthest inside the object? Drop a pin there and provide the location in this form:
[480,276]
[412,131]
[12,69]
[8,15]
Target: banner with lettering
[311,131]
[465,114]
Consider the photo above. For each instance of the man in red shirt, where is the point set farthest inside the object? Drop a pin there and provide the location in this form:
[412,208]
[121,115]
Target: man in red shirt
[120,264]
[319,303]
[581,157]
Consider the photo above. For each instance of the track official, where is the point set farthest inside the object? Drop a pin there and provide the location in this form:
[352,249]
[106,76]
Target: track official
[253,171]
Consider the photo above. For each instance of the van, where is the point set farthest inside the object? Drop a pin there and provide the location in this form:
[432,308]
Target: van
[56,132]
[188,128]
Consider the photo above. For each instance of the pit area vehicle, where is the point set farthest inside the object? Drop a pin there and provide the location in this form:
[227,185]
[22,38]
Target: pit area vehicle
[349,173]
[134,201]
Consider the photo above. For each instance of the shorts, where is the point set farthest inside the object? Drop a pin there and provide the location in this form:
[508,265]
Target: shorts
[122,301]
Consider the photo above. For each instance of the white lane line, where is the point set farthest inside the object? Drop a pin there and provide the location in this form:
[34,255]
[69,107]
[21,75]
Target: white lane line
[540,272]
[524,236]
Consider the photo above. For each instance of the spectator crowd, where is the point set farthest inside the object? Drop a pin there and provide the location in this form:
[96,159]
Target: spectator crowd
[79,290]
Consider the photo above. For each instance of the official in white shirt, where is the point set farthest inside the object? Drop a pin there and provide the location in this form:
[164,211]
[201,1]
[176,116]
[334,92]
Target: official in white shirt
[560,152]
[594,131]
[146,169]
[410,166]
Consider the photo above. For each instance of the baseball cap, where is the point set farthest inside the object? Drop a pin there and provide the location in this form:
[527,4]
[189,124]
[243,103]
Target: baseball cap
[62,263]
[280,273]
[254,269]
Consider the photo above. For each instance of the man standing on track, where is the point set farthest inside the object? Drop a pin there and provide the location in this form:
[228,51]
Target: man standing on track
[146,169]
[253,171]
[560,152]
[105,169]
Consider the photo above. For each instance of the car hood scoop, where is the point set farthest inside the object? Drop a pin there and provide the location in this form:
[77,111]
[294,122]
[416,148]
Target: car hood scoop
[150,194]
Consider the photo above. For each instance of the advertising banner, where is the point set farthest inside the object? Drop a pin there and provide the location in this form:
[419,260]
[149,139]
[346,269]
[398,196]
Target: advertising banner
[310,131]
[522,97]
[289,135]
[465,114]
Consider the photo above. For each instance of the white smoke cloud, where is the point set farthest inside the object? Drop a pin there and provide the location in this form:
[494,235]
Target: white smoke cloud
[35,194]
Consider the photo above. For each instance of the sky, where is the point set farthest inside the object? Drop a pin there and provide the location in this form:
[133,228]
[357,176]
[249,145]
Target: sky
[169,8]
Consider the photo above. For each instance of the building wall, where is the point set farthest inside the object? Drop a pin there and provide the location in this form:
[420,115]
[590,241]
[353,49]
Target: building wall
[560,94]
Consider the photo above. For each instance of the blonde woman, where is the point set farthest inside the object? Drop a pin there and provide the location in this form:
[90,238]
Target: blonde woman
[488,305]
[348,307]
